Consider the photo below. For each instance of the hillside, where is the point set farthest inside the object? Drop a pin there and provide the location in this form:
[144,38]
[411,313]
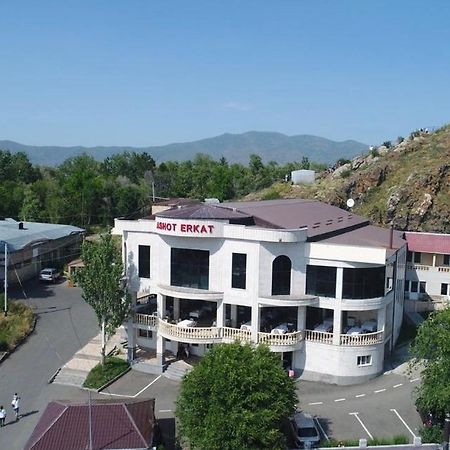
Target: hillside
[235,147]
[407,185]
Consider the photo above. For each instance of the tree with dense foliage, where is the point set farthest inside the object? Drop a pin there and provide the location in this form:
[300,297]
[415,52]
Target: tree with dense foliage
[236,398]
[431,348]
[101,282]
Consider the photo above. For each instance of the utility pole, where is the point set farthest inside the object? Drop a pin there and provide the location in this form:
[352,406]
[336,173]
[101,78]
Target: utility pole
[5,281]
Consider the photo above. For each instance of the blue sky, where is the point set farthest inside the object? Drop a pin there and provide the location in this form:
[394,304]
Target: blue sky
[149,72]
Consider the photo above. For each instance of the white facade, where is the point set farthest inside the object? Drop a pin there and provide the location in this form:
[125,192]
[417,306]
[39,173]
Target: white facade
[217,312]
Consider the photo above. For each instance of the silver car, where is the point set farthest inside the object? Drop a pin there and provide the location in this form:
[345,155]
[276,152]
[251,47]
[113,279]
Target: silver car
[305,429]
[50,275]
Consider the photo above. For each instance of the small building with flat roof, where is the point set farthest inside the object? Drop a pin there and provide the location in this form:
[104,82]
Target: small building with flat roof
[32,246]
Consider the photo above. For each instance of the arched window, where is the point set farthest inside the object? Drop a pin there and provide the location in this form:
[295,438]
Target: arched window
[281,275]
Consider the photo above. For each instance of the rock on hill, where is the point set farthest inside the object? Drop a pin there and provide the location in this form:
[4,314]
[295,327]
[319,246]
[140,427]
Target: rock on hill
[235,147]
[407,185]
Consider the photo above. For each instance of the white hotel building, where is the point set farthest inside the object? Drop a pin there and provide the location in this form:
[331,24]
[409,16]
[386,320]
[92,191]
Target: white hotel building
[317,284]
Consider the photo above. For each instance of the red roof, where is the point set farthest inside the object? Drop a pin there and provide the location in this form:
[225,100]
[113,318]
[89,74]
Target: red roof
[115,425]
[428,242]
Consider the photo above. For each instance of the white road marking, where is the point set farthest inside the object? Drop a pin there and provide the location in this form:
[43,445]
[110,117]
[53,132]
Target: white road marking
[315,403]
[397,385]
[360,421]
[148,385]
[360,395]
[340,400]
[321,429]
[414,379]
[404,423]
[116,395]
[379,390]
[165,410]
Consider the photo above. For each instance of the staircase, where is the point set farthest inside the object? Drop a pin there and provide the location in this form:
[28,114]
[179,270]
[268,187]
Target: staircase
[177,370]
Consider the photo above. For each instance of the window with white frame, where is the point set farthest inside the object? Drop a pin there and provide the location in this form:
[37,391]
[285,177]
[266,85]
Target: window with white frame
[147,334]
[364,360]
[444,289]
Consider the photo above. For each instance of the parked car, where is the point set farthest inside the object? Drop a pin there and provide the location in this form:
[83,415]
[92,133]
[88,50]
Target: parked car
[49,275]
[305,430]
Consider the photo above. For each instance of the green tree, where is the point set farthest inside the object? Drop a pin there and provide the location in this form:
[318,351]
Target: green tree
[31,207]
[100,279]
[236,398]
[431,348]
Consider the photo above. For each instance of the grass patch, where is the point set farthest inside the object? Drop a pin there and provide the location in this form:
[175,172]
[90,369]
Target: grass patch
[100,375]
[16,325]
[395,440]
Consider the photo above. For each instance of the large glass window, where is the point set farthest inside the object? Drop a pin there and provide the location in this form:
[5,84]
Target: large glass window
[363,283]
[189,268]
[144,261]
[417,257]
[239,271]
[281,275]
[321,280]
[446,260]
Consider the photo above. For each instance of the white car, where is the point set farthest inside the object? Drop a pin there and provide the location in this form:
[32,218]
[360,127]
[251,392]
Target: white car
[49,275]
[354,331]
[305,429]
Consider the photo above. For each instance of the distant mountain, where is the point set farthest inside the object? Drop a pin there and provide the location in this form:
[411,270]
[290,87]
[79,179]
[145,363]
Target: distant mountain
[235,147]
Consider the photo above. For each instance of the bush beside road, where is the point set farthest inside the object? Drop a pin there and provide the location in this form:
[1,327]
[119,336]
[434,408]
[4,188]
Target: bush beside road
[15,326]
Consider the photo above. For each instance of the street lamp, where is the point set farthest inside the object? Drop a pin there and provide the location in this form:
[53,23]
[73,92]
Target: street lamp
[5,281]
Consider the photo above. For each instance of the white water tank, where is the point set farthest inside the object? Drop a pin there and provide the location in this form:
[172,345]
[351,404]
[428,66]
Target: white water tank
[303,176]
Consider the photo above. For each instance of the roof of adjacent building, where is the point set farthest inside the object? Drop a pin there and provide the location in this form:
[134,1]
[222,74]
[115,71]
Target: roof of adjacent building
[428,242]
[204,211]
[116,425]
[32,232]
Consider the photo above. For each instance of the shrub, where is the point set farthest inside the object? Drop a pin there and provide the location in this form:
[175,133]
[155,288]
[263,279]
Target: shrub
[3,346]
[346,173]
[400,139]
[431,435]
[387,144]
[374,152]
[100,375]
[271,194]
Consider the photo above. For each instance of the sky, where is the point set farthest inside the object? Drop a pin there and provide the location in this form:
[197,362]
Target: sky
[150,72]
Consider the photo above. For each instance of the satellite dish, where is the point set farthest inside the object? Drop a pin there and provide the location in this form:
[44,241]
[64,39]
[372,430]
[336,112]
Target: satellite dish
[350,203]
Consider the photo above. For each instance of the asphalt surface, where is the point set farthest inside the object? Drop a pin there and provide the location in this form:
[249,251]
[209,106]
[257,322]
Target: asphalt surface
[65,323]
[380,408]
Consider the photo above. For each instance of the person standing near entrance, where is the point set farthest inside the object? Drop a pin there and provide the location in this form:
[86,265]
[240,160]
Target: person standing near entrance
[15,403]
[2,416]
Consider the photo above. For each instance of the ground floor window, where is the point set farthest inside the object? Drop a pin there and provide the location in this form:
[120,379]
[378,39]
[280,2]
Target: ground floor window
[364,360]
[444,289]
[423,287]
[145,334]
[414,286]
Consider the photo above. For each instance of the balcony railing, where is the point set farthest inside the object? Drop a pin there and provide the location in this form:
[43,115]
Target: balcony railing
[425,268]
[145,319]
[362,339]
[280,339]
[228,334]
[319,336]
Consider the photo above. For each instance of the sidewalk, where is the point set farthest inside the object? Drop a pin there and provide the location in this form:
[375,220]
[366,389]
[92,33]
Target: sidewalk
[75,371]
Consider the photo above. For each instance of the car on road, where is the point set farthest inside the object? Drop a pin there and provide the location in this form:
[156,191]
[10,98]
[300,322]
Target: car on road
[305,430]
[49,275]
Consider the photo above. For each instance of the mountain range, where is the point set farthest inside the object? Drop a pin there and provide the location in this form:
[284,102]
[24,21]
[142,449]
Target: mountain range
[234,147]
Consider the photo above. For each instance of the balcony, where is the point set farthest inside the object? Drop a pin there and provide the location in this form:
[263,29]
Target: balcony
[426,268]
[277,342]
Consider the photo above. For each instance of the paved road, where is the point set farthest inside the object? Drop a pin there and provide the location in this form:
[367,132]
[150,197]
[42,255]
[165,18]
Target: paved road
[65,323]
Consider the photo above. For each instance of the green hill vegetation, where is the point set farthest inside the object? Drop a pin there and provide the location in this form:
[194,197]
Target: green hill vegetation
[406,184]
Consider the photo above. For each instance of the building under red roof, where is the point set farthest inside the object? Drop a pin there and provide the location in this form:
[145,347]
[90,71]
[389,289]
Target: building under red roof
[64,425]
[428,242]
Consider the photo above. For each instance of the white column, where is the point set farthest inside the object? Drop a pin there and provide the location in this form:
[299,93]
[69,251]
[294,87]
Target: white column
[234,316]
[160,348]
[255,322]
[220,314]
[434,259]
[161,304]
[381,318]
[337,325]
[301,318]
[339,282]
[176,308]
[131,331]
